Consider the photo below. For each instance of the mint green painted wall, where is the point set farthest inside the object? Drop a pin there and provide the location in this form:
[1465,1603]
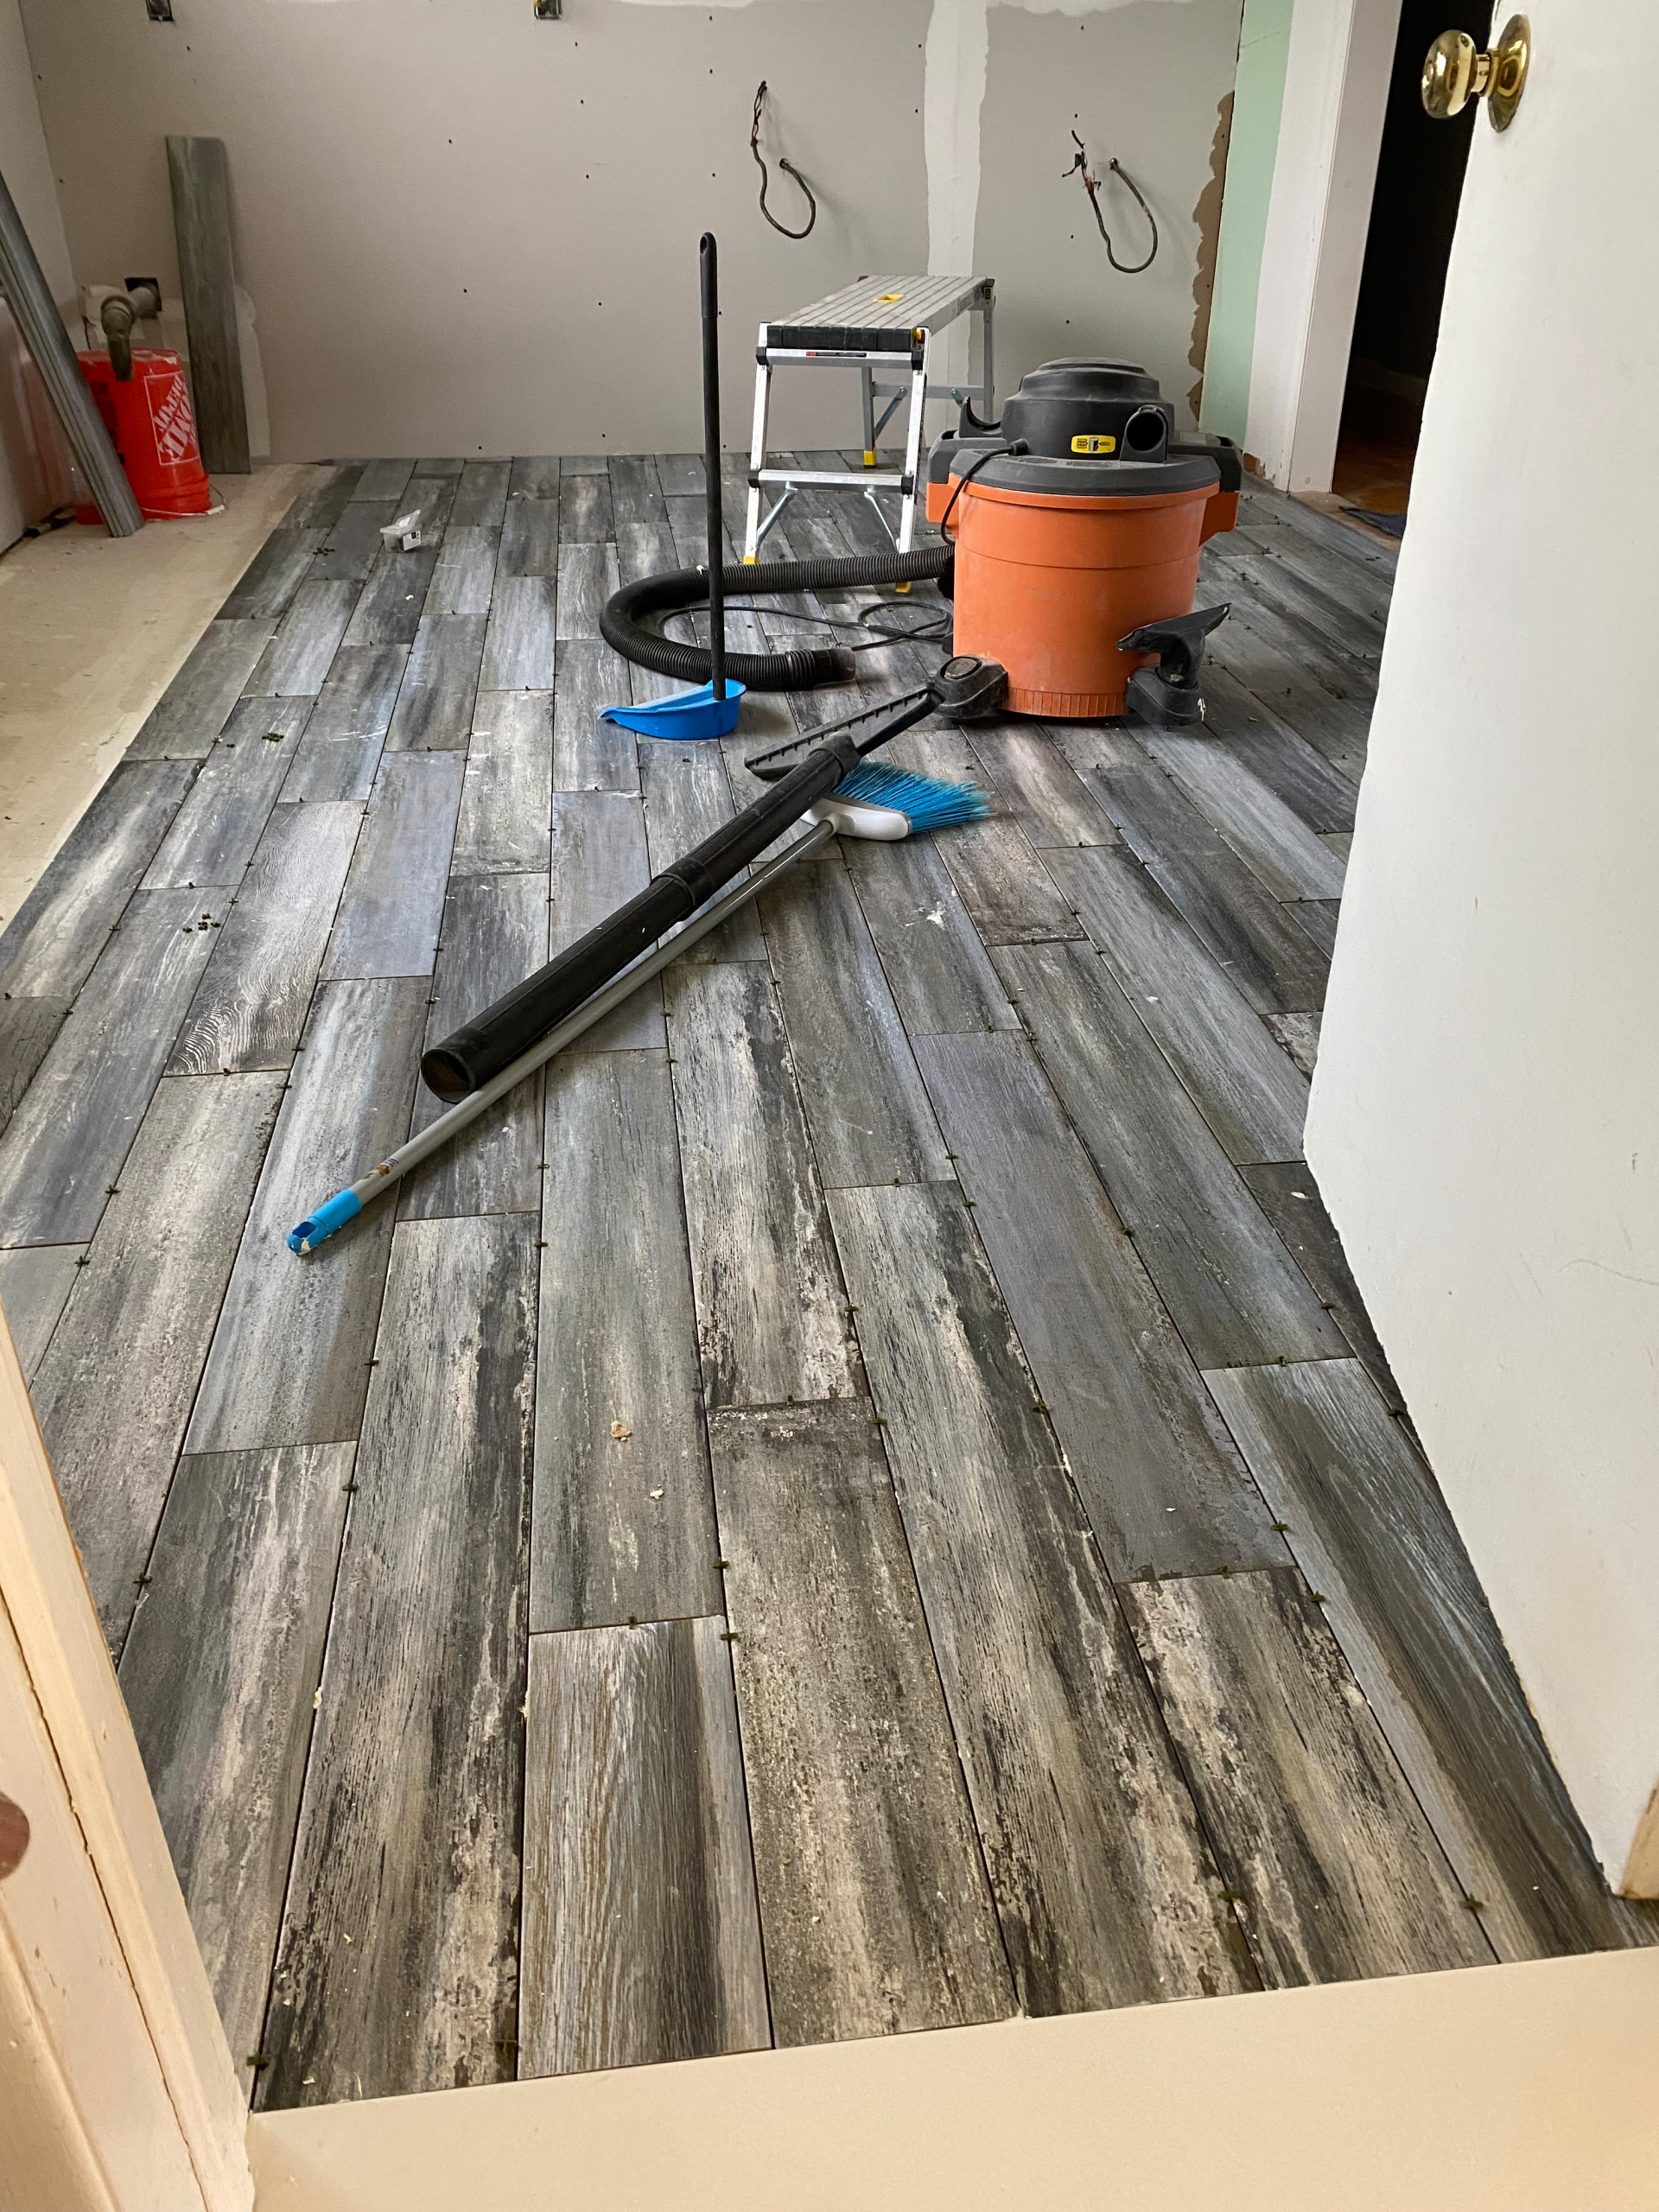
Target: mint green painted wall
[1253,146]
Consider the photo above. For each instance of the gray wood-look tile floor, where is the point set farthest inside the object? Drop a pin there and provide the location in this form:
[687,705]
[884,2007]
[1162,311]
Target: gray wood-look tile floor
[868,1499]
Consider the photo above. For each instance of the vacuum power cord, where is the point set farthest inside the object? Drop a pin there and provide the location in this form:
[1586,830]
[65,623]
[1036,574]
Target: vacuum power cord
[1092,185]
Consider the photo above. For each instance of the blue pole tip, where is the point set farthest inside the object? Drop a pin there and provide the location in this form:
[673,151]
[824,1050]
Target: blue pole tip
[332,1214]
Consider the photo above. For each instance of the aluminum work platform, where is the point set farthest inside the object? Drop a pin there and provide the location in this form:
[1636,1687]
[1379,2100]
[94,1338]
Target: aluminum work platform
[879,323]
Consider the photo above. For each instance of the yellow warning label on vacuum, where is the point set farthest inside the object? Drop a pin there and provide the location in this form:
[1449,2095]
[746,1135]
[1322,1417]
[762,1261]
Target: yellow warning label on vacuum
[1094,442]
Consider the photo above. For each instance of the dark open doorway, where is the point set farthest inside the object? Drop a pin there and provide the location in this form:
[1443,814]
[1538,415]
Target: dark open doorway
[1414,213]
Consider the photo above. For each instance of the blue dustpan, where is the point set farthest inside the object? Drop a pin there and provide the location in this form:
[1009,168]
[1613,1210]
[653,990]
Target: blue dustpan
[687,714]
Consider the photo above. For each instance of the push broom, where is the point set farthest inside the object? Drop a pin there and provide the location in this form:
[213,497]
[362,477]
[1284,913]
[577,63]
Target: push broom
[839,793]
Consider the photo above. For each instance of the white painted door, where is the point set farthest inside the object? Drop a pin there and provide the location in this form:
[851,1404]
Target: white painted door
[1485,1112]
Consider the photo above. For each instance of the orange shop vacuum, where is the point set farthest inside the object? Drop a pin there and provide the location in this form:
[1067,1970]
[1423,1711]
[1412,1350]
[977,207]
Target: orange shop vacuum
[1076,525]
[145,403]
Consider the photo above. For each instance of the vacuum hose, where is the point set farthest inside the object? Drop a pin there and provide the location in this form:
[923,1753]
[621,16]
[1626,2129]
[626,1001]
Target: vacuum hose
[676,590]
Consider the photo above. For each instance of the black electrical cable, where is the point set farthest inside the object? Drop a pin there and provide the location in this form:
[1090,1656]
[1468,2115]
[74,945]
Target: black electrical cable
[677,589]
[787,167]
[1092,185]
[996,453]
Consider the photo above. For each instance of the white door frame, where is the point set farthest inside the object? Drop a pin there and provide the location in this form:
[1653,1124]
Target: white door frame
[1336,78]
[113,2064]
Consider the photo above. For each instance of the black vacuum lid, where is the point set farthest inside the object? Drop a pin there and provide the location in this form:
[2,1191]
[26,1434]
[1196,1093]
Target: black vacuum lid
[1094,476]
[1083,377]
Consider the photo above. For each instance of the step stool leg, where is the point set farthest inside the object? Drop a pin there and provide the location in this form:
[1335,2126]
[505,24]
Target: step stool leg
[757,446]
[987,362]
[867,381]
[913,451]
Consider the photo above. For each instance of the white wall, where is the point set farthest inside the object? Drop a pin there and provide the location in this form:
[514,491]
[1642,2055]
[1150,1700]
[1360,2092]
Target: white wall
[1330,134]
[32,474]
[1485,1113]
[465,231]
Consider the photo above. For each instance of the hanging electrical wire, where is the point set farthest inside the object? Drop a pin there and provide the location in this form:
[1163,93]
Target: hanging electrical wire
[1092,185]
[783,163]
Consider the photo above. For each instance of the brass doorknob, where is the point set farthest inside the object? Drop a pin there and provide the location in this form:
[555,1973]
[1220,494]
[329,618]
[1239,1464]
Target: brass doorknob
[1457,71]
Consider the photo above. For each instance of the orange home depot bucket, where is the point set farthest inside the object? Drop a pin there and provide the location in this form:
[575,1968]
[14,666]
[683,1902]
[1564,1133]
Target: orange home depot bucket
[149,418]
[1047,579]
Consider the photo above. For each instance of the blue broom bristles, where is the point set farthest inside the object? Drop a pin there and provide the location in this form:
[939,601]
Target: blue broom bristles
[925,803]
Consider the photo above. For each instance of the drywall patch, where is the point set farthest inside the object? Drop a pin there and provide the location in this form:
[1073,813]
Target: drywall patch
[1207,215]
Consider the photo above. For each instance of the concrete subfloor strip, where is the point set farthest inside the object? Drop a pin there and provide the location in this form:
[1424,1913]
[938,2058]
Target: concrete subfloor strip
[92,629]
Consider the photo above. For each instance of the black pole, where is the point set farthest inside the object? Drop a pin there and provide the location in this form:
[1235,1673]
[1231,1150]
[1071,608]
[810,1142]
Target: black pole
[708,256]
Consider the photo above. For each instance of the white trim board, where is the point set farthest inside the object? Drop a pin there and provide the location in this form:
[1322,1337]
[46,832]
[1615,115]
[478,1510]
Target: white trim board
[1512,2089]
[1330,134]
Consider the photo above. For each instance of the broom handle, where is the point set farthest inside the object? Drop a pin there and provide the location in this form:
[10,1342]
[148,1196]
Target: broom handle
[351,1201]
[708,264]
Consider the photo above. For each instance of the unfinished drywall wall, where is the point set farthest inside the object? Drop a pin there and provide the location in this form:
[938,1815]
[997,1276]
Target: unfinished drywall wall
[34,472]
[1148,82]
[466,231]
[1484,1122]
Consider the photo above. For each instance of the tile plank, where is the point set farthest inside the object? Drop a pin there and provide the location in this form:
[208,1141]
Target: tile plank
[1164,1489]
[1290,1197]
[465,573]
[282,563]
[35,1280]
[218,1674]
[114,1390]
[1267,835]
[503,825]
[1299,1035]
[250,1007]
[296,662]
[636,493]
[214,832]
[384,479]
[354,544]
[324,499]
[482,499]
[1003,885]
[535,476]
[687,797]
[340,750]
[599,859]
[1289,766]
[409,1827]
[1232,1289]
[1247,1089]
[771,1310]
[588,576]
[584,515]
[494,935]
[388,919]
[624,1526]
[589,755]
[389,609]
[1269,960]
[873,1896]
[196,704]
[934,960]
[1372,1532]
[290,1356]
[1311,1820]
[529,538]
[63,925]
[641,1940]
[519,653]
[63,1146]
[1034,779]
[27,1028]
[867,1106]
[434,707]
[1077,1796]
